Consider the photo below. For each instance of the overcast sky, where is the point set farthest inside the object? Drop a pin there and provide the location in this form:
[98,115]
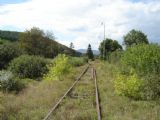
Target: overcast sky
[79,21]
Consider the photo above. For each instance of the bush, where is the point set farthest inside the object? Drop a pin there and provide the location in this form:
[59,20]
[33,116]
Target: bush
[128,85]
[59,67]
[8,52]
[145,61]
[78,61]
[8,82]
[151,87]
[27,66]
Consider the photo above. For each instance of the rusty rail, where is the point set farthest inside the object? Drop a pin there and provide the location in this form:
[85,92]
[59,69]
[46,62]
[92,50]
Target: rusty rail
[97,96]
[59,101]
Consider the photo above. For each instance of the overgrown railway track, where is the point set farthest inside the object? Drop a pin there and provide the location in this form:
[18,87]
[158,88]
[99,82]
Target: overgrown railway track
[81,85]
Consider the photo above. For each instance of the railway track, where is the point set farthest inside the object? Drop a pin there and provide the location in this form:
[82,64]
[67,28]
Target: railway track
[80,101]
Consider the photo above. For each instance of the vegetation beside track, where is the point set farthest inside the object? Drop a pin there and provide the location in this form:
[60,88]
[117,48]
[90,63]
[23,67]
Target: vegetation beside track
[34,102]
[115,107]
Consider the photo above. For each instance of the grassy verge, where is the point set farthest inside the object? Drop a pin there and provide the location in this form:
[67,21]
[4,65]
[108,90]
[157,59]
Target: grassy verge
[116,107]
[34,102]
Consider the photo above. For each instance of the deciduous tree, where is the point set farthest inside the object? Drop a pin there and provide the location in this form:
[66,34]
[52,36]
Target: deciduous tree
[135,37]
[107,46]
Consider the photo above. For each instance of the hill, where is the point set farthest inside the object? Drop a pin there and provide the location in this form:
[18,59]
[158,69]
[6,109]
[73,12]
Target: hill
[95,52]
[9,35]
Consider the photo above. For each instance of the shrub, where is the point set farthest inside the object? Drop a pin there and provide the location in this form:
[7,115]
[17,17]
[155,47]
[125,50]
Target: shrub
[151,87]
[59,67]
[145,61]
[128,85]
[8,82]
[27,66]
[8,52]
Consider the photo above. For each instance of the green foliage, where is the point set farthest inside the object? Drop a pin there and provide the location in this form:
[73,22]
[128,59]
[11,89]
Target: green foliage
[90,53]
[58,68]
[107,46]
[128,85]
[78,61]
[8,82]
[4,41]
[34,42]
[27,66]
[9,35]
[135,37]
[8,52]
[145,61]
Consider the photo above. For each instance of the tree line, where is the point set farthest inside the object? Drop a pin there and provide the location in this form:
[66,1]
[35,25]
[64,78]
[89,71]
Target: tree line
[134,37]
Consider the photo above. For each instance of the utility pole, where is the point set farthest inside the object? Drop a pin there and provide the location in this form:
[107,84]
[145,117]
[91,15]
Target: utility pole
[104,29]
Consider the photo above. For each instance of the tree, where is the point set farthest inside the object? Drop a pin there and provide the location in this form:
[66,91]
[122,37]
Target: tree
[135,37]
[90,52]
[71,45]
[35,42]
[107,46]
[50,35]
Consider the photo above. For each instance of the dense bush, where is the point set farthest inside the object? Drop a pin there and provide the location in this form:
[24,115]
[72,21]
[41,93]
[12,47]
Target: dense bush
[8,82]
[59,67]
[128,85]
[8,52]
[27,66]
[144,60]
[78,61]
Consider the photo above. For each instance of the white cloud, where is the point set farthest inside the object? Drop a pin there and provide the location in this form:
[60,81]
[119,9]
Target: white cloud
[82,18]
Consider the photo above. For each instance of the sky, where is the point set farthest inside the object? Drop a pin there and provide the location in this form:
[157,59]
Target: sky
[80,21]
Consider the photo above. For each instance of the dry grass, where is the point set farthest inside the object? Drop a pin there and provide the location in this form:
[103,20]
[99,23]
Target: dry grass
[116,107]
[36,100]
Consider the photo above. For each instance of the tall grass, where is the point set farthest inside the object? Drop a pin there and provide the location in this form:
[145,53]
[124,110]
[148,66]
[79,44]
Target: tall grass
[34,102]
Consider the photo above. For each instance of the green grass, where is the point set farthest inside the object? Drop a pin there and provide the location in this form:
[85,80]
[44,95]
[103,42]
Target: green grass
[116,107]
[34,102]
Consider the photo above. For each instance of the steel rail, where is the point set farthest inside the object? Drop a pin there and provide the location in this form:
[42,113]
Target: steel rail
[97,96]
